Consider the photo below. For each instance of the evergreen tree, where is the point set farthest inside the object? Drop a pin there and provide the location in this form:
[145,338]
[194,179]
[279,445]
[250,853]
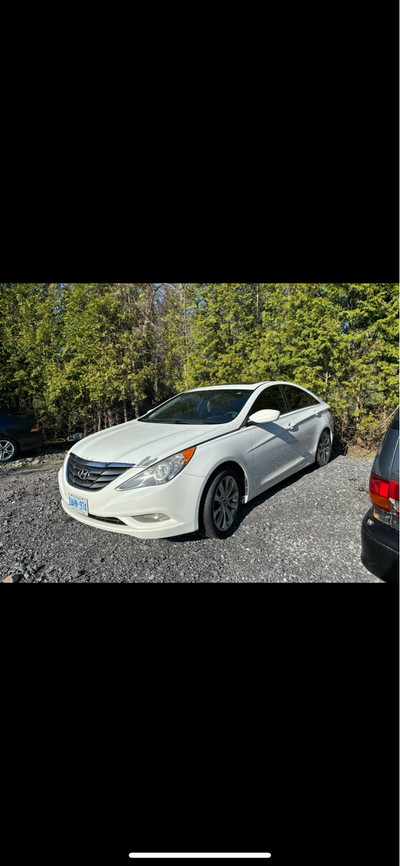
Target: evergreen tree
[95,354]
[223,332]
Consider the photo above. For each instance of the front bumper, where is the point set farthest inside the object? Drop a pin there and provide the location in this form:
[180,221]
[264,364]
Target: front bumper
[179,500]
[380,548]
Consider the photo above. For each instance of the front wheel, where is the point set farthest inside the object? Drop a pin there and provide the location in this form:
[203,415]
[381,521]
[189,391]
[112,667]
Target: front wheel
[222,505]
[8,450]
[324,450]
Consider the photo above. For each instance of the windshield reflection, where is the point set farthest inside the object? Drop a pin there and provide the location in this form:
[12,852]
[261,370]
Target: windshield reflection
[200,407]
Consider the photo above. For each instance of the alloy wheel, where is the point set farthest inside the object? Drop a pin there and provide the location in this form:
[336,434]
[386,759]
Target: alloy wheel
[7,450]
[324,449]
[226,503]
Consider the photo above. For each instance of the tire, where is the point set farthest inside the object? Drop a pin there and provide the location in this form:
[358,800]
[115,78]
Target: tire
[222,505]
[324,450]
[8,450]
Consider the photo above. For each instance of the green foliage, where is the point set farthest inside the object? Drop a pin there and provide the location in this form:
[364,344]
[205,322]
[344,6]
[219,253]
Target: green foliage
[338,340]
[223,332]
[94,354]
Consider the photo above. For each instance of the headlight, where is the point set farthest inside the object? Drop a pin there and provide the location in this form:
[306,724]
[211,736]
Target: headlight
[161,472]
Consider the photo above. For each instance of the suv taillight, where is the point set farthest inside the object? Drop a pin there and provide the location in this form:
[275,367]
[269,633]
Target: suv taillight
[384,494]
[35,428]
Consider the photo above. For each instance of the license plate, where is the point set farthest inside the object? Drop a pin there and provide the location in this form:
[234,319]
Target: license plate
[79,505]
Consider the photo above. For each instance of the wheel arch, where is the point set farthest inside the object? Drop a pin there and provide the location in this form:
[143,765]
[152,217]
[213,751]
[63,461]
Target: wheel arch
[224,464]
[329,430]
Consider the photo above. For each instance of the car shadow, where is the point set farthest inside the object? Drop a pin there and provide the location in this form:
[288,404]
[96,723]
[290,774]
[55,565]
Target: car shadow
[282,485]
[258,500]
[49,449]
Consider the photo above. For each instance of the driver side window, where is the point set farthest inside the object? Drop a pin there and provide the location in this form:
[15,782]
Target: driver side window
[270,398]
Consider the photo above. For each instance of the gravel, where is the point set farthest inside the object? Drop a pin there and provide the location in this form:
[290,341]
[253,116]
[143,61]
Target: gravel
[305,530]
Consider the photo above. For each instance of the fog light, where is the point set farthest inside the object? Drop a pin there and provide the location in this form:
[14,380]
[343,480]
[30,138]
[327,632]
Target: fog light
[151,518]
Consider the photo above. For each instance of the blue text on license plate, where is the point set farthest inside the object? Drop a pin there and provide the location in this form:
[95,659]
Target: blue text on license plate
[80,505]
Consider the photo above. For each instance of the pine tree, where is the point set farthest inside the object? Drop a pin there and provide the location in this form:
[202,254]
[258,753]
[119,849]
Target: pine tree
[94,354]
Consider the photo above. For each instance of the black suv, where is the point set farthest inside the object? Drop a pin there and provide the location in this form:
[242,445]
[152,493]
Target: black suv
[380,528]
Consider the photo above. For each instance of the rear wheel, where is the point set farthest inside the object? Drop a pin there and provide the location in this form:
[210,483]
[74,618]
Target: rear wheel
[222,505]
[324,450]
[8,449]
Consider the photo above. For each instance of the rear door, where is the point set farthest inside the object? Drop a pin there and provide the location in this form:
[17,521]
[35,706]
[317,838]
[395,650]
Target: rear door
[304,413]
[275,446]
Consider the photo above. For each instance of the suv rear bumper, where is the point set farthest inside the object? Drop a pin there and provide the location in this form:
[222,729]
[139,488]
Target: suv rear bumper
[380,548]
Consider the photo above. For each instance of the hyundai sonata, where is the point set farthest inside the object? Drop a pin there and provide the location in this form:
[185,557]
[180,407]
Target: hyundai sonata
[191,463]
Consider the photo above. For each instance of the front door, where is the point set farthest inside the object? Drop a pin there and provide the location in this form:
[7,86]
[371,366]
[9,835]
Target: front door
[275,446]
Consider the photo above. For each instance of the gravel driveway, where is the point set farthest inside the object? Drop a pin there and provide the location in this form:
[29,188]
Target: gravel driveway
[304,530]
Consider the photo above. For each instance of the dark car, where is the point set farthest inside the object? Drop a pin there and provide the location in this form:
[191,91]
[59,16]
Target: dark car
[18,434]
[380,528]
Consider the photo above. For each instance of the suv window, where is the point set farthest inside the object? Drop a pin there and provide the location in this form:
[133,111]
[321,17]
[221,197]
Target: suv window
[386,461]
[297,398]
[395,423]
[271,398]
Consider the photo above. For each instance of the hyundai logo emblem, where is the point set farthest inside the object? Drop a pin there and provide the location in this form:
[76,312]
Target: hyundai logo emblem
[84,474]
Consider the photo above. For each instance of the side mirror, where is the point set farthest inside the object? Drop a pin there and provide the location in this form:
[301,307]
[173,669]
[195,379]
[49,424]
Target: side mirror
[265,416]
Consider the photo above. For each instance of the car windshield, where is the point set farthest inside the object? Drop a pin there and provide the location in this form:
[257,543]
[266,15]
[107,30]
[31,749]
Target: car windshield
[200,407]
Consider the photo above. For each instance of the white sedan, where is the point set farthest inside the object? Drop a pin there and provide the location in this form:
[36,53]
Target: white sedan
[192,462]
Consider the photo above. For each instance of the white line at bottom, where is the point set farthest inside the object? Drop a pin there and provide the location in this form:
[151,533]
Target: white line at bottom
[199,856]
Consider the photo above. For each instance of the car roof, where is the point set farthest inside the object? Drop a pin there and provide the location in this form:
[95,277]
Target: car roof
[248,387]
[234,387]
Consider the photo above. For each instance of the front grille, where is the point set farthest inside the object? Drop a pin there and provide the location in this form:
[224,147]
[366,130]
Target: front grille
[95,476]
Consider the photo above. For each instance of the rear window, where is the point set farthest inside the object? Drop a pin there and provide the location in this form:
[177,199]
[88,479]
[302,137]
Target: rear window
[386,463]
[297,398]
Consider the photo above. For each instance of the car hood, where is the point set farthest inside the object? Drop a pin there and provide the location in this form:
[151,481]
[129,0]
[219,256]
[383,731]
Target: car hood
[140,442]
